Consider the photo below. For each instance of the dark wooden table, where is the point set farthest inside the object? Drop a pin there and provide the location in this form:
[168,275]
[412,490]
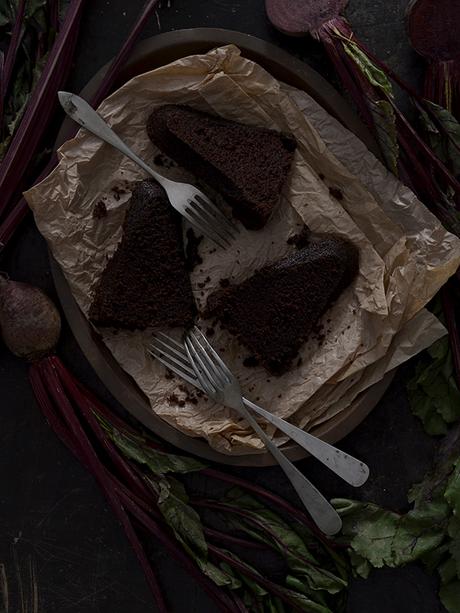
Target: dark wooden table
[53,517]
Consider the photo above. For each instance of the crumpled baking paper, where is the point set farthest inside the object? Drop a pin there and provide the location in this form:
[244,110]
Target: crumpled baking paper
[335,185]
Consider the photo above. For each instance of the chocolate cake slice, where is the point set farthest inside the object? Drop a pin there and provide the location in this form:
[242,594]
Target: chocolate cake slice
[273,312]
[145,283]
[246,165]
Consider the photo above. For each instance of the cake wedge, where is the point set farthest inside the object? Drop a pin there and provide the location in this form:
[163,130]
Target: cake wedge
[247,165]
[146,284]
[274,311]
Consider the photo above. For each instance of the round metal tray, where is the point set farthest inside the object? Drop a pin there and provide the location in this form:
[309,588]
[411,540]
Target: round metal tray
[151,54]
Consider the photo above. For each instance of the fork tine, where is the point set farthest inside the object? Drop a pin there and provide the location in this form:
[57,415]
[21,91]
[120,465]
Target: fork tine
[161,358]
[179,346]
[202,352]
[193,212]
[215,223]
[214,209]
[171,349]
[224,368]
[203,228]
[215,216]
[180,362]
[203,375]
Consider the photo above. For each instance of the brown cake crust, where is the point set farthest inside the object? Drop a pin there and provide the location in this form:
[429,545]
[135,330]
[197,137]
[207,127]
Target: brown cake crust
[247,165]
[145,283]
[273,312]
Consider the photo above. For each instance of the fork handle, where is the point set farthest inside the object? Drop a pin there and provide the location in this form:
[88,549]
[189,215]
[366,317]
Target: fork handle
[347,467]
[84,114]
[322,512]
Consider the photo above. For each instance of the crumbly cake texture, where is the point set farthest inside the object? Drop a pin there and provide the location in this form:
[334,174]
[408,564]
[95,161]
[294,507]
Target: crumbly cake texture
[274,311]
[145,284]
[247,165]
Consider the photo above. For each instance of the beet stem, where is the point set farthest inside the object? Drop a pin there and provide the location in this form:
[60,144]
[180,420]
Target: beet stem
[48,371]
[11,55]
[270,586]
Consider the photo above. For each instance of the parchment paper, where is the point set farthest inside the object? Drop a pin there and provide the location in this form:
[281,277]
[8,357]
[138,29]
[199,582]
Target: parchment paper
[378,323]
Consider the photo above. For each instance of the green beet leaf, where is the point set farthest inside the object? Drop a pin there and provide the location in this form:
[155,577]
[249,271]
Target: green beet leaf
[267,527]
[385,126]
[374,75]
[450,596]
[447,139]
[384,538]
[180,516]
[433,393]
[158,462]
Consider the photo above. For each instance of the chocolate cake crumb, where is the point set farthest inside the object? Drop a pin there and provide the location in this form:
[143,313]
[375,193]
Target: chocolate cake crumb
[192,256]
[301,239]
[174,399]
[169,374]
[299,362]
[336,193]
[163,161]
[251,361]
[321,176]
[224,282]
[280,395]
[118,191]
[100,210]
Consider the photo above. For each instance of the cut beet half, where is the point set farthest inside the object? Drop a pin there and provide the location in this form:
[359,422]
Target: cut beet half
[298,17]
[432,27]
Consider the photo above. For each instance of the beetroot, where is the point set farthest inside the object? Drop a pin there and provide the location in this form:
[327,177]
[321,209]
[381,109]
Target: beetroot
[298,17]
[432,26]
[30,324]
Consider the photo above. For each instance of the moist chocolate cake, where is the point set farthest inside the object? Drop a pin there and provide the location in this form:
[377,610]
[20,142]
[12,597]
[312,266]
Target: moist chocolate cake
[246,165]
[273,312]
[145,283]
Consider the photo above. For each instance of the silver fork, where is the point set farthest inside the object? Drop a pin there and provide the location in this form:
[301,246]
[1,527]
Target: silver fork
[174,356]
[219,383]
[189,201]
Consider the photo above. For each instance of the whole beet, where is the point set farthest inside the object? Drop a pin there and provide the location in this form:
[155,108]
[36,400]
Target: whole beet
[30,324]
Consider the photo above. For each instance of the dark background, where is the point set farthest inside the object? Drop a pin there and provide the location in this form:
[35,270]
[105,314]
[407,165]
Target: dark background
[52,515]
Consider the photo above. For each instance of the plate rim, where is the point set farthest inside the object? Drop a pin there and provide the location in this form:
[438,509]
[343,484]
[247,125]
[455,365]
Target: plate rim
[110,373]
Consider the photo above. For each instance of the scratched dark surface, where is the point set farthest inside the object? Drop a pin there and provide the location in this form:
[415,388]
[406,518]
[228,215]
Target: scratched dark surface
[53,519]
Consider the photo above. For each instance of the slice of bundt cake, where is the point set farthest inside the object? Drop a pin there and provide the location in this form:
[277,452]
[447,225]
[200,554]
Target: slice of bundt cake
[273,312]
[145,283]
[246,165]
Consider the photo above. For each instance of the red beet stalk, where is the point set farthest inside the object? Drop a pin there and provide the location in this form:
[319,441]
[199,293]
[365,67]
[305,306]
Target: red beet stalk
[39,111]
[54,386]
[432,27]
[19,211]
[112,73]
[77,439]
[13,49]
